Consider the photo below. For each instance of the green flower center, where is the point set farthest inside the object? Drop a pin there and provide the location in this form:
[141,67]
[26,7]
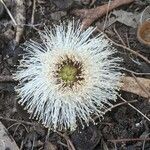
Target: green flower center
[68,73]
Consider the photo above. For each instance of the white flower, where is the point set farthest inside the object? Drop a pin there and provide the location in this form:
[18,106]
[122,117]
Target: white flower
[68,78]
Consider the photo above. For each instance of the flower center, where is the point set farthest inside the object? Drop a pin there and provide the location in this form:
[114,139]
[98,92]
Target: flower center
[69,71]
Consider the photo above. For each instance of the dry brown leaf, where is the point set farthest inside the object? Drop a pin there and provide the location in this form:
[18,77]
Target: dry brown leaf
[139,86]
[90,15]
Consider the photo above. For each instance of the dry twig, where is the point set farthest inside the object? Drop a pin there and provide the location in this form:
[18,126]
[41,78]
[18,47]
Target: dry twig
[129,140]
[128,49]
[20,19]
[125,47]
[90,15]
[9,13]
[135,109]
[106,18]
[33,12]
[137,73]
[123,43]
[114,106]
[119,104]
[69,143]
[19,121]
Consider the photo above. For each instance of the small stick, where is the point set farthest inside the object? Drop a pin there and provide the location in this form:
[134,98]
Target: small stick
[9,13]
[114,106]
[17,124]
[123,43]
[133,52]
[106,18]
[20,19]
[19,121]
[135,109]
[66,137]
[61,143]
[119,104]
[127,39]
[129,140]
[33,12]
[127,48]
[136,73]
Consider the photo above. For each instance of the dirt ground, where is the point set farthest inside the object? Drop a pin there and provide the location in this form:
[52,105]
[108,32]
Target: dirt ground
[122,128]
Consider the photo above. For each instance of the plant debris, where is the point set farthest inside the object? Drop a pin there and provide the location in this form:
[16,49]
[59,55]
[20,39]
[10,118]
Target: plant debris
[90,15]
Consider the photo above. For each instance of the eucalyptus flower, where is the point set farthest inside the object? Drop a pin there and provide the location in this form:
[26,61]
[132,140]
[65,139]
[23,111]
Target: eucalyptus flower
[69,77]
